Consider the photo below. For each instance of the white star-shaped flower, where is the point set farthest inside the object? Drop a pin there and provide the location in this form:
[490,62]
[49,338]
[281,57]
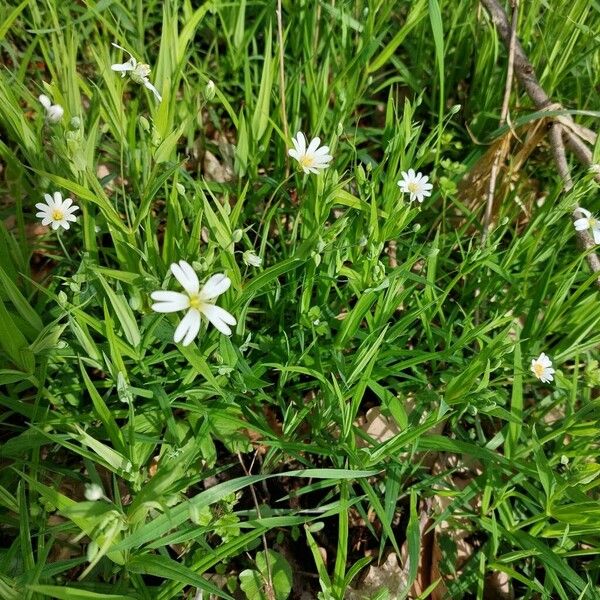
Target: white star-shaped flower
[589,221]
[541,367]
[137,71]
[56,211]
[54,112]
[196,301]
[313,158]
[415,184]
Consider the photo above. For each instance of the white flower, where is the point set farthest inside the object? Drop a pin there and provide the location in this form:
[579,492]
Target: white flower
[252,259]
[415,184]
[54,112]
[541,367]
[588,222]
[56,211]
[93,492]
[137,71]
[313,158]
[196,301]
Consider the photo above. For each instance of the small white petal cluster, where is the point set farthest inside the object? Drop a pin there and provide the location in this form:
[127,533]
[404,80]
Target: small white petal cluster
[54,112]
[93,492]
[312,158]
[415,184]
[541,367]
[195,301]
[588,222]
[137,71]
[252,259]
[56,211]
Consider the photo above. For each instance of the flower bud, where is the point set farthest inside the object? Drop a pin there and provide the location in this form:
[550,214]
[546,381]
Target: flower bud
[209,90]
[252,259]
[360,174]
[93,492]
[145,124]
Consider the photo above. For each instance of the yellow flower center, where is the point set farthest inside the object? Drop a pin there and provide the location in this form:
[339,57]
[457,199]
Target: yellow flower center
[538,369]
[307,161]
[413,187]
[593,222]
[57,214]
[195,301]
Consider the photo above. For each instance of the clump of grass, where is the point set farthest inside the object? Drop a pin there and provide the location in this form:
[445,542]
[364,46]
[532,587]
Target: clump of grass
[248,465]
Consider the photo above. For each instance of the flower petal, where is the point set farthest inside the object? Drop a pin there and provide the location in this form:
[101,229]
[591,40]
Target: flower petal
[314,144]
[169,301]
[55,113]
[120,48]
[581,224]
[596,234]
[57,199]
[300,143]
[190,320]
[323,159]
[122,67]
[150,87]
[584,211]
[44,101]
[193,330]
[215,286]
[71,210]
[543,359]
[186,276]
[219,317]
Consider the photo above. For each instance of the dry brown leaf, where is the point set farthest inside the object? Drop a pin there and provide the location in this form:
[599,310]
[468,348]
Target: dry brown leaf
[497,587]
[513,154]
[215,170]
[378,426]
[387,576]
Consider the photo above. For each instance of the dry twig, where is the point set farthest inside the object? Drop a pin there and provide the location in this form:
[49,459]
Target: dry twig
[503,149]
[563,126]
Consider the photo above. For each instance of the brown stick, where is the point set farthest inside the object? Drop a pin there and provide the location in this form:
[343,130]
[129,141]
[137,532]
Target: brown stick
[527,78]
[500,154]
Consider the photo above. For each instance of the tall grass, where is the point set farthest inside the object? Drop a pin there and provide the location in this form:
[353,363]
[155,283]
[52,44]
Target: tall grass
[208,453]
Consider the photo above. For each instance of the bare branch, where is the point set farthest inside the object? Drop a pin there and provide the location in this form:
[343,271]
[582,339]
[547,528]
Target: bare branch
[500,154]
[560,156]
[563,125]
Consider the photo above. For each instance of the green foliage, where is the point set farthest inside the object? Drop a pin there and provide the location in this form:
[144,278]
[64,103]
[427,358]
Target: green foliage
[212,454]
[271,579]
